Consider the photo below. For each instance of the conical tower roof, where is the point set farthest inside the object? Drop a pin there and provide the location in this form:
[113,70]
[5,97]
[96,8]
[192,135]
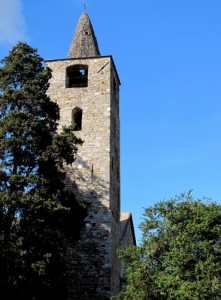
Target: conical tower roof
[84,43]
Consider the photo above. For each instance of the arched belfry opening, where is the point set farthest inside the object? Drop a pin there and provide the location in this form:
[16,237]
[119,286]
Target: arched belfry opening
[76,118]
[77,76]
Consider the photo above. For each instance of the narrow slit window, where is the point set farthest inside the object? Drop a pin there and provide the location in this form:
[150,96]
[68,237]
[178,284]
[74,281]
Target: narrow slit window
[114,85]
[77,118]
[77,76]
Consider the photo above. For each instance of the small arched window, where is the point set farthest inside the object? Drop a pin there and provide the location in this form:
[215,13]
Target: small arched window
[76,118]
[77,76]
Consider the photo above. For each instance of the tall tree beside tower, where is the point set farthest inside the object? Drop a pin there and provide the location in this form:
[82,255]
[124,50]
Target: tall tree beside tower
[33,199]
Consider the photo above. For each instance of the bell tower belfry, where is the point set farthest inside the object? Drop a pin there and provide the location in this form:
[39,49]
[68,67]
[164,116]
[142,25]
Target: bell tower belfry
[85,85]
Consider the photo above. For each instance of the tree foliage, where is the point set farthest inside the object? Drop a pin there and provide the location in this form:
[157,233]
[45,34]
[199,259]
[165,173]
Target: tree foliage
[36,212]
[180,253]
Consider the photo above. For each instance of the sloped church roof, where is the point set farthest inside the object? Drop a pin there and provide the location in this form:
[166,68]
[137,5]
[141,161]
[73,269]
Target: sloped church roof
[84,42]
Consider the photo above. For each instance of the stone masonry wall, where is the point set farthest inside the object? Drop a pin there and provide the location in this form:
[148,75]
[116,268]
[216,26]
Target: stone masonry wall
[93,266]
[115,174]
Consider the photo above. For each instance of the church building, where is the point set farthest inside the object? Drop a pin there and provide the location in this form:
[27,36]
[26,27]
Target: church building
[86,87]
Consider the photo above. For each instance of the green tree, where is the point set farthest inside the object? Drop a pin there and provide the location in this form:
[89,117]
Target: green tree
[180,253]
[37,215]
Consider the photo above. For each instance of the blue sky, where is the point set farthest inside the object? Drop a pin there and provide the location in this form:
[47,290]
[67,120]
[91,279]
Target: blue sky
[168,55]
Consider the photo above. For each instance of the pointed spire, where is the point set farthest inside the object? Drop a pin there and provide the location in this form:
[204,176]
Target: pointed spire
[84,43]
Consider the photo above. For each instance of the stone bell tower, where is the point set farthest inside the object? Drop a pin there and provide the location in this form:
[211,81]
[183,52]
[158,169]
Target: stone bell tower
[86,87]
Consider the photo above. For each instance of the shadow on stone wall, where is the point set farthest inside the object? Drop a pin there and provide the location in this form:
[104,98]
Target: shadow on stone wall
[89,260]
